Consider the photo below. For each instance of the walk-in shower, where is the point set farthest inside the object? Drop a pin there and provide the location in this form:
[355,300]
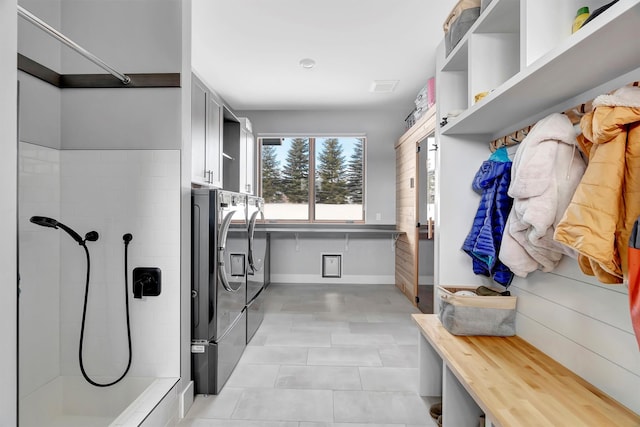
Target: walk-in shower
[78,172]
[67,334]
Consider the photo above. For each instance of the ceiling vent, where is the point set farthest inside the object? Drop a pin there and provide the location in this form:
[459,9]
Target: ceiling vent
[383,86]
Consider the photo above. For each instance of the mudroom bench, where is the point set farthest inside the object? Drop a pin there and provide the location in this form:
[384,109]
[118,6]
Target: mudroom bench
[509,381]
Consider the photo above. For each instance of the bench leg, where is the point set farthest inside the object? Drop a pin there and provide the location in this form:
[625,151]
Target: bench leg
[430,367]
[458,407]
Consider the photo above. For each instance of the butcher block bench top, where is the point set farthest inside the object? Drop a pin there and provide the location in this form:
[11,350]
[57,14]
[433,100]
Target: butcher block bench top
[515,384]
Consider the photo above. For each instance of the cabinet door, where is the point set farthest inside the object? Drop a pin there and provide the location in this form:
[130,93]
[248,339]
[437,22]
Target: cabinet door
[213,147]
[250,163]
[246,162]
[198,133]
[242,178]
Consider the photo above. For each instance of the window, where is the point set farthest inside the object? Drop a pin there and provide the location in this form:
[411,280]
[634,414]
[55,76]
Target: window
[313,179]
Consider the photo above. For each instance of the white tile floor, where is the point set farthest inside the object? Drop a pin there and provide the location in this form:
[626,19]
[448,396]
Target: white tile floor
[324,356]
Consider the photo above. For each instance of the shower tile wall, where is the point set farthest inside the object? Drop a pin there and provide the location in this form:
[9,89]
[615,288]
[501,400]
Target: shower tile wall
[113,192]
[39,312]
[116,192]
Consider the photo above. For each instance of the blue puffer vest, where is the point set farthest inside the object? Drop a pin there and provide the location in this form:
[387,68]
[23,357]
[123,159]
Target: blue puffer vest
[483,241]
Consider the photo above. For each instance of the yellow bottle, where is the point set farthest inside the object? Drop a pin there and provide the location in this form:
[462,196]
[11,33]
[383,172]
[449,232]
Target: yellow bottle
[581,16]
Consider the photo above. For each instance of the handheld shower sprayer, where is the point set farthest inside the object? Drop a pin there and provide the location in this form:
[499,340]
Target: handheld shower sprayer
[92,236]
[44,221]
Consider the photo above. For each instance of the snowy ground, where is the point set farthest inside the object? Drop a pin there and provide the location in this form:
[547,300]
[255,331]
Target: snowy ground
[280,211]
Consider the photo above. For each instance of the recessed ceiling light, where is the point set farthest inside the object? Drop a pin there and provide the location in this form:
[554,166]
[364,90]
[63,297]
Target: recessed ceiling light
[307,63]
[383,86]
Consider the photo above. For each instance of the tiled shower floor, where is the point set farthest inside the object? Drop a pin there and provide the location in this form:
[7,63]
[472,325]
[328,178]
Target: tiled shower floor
[325,356]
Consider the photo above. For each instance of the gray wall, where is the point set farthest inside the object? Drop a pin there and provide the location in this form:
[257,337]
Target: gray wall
[382,129]
[366,259]
[133,37]
[8,214]
[39,101]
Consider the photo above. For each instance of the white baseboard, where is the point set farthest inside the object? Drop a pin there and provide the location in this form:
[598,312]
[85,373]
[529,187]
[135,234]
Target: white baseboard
[348,279]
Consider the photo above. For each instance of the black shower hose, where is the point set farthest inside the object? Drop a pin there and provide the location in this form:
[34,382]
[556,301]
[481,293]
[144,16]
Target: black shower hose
[127,239]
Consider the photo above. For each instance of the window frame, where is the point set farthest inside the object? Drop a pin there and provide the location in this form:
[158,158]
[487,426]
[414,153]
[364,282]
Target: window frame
[312,137]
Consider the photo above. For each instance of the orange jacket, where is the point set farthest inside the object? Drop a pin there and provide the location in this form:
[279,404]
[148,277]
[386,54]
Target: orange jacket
[600,217]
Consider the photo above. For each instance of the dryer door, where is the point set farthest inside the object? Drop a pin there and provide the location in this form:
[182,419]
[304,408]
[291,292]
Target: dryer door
[232,264]
[257,247]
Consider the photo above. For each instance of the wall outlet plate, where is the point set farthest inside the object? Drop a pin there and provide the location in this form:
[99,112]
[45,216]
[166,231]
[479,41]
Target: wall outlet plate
[331,265]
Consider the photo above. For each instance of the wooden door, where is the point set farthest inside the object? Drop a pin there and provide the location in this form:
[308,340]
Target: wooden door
[406,264]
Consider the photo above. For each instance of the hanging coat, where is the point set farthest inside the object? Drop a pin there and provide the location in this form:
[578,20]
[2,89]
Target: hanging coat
[483,241]
[634,279]
[546,170]
[599,220]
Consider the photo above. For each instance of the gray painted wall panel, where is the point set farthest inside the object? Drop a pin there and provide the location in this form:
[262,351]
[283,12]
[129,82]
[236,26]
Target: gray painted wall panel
[8,214]
[121,119]
[35,43]
[132,36]
[142,36]
[39,112]
[301,259]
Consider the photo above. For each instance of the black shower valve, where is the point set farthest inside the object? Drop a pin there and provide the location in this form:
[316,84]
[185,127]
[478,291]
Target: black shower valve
[146,282]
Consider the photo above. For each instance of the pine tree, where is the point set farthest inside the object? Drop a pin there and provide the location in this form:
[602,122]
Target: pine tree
[331,186]
[354,173]
[271,177]
[295,173]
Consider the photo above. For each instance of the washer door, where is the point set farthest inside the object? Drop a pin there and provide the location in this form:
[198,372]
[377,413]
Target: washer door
[237,265]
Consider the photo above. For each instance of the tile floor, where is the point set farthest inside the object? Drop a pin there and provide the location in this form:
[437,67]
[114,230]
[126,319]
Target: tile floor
[324,356]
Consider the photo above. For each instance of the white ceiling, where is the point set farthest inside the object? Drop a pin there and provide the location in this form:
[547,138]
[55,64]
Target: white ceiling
[248,51]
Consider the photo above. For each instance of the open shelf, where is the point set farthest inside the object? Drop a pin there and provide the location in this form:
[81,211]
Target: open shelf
[554,77]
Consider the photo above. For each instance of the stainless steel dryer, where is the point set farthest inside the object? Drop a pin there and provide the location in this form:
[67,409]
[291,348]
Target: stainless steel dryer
[258,263]
[218,277]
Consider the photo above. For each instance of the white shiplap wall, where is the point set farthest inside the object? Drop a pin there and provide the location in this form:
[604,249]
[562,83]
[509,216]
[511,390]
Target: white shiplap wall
[584,325]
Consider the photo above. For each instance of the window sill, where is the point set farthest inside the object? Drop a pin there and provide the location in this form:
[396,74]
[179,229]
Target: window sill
[331,228]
